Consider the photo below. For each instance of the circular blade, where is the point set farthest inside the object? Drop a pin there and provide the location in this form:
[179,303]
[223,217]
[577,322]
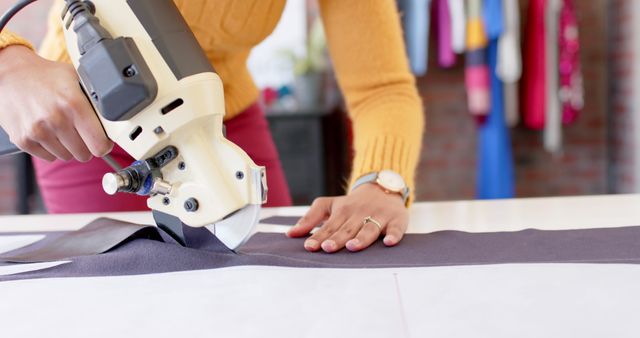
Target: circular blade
[235,229]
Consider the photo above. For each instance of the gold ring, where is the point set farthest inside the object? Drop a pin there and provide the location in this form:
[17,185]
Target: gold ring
[370,219]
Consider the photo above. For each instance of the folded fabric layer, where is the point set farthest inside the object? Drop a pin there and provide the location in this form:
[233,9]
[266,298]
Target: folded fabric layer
[144,255]
[95,238]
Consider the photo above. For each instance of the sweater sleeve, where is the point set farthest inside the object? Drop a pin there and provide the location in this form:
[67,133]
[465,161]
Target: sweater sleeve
[368,52]
[8,38]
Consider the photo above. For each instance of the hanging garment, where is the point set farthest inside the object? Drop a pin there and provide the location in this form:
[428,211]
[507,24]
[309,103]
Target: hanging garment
[415,18]
[493,19]
[495,160]
[446,56]
[553,117]
[511,103]
[476,69]
[571,85]
[509,68]
[458,25]
[532,89]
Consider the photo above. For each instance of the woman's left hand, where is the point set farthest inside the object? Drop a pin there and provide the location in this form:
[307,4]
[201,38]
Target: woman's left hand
[344,220]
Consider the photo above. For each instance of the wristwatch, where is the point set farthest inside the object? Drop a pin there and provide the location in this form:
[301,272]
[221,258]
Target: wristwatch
[388,180]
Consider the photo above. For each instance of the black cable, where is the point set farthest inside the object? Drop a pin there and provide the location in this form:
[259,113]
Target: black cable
[6,17]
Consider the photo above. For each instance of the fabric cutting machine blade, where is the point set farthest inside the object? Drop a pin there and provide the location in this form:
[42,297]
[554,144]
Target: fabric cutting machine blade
[233,231]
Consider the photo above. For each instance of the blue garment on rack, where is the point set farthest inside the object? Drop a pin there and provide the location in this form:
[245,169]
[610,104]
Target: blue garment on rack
[492,13]
[415,18]
[495,160]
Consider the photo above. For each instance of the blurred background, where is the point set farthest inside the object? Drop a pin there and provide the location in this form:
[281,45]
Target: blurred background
[580,137]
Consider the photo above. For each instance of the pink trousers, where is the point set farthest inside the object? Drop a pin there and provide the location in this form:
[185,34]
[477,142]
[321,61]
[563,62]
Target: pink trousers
[74,187]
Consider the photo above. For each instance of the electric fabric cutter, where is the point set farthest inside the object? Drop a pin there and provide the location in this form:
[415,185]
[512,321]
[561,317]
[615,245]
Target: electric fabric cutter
[159,98]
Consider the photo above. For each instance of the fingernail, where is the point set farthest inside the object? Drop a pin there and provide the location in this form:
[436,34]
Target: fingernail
[328,245]
[389,240]
[311,244]
[293,228]
[353,244]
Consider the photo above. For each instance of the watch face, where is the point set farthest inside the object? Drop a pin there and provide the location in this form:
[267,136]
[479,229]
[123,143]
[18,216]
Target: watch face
[391,181]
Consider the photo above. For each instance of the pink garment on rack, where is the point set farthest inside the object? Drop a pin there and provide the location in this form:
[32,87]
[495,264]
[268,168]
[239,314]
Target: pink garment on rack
[446,55]
[477,80]
[571,86]
[533,75]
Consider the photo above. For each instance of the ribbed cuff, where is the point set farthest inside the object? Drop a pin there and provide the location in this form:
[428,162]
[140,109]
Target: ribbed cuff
[8,38]
[385,152]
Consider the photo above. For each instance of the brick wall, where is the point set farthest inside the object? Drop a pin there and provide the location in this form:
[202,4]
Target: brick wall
[447,166]
[622,52]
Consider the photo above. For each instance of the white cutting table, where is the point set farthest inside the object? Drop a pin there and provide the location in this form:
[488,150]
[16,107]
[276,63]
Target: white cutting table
[524,300]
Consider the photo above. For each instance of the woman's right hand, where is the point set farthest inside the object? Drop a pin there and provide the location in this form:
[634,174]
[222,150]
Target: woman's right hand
[44,111]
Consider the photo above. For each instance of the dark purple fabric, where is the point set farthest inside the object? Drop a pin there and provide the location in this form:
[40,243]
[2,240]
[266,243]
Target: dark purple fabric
[281,220]
[96,237]
[143,255]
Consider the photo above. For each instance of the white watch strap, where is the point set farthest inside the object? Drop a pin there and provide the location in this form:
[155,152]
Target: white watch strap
[371,178]
[367,178]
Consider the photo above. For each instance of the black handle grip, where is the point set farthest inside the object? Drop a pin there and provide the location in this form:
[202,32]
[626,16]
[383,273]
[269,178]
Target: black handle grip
[6,147]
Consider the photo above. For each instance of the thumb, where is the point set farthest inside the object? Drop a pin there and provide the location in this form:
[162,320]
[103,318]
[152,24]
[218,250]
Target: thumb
[318,212]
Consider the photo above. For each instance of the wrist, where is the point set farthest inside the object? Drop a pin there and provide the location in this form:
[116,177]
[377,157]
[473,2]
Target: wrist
[387,180]
[8,38]
[14,56]
[373,187]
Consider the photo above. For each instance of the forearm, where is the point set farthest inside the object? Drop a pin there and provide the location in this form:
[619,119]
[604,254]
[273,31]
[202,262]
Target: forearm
[13,56]
[388,136]
[365,42]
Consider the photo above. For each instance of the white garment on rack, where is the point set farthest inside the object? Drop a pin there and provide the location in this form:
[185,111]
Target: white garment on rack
[509,67]
[553,116]
[458,25]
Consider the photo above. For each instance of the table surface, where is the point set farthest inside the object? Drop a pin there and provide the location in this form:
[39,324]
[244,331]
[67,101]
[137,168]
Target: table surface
[525,300]
[552,213]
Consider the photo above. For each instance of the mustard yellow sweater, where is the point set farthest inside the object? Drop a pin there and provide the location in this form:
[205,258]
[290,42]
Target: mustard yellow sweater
[365,43]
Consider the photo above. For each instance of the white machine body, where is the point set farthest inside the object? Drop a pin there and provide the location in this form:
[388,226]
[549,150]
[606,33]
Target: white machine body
[216,172]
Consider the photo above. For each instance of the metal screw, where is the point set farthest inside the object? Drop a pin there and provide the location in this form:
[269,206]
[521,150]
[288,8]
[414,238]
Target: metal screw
[166,201]
[158,130]
[129,71]
[239,175]
[191,205]
[182,166]
[94,96]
